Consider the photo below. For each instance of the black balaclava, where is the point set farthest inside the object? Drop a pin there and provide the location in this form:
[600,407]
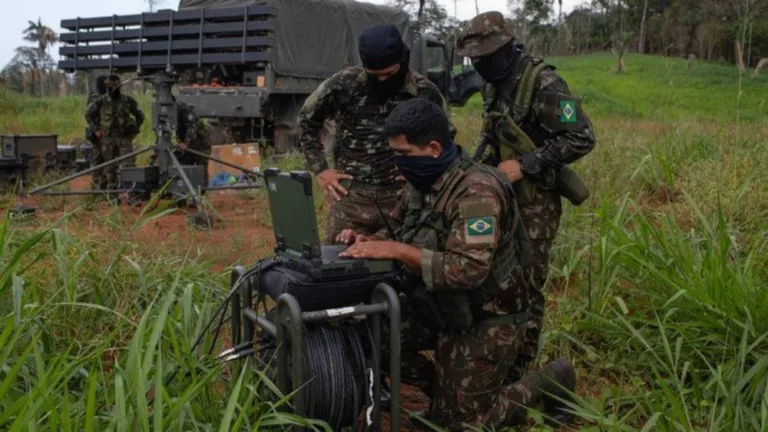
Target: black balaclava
[101,84]
[496,67]
[114,91]
[380,47]
[423,171]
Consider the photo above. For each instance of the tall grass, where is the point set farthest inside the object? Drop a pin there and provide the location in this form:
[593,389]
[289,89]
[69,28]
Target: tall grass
[91,337]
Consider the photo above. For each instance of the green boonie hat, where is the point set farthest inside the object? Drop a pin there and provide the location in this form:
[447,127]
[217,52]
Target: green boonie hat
[484,34]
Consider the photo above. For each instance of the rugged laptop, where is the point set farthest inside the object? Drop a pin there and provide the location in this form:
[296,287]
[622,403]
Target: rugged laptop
[297,238]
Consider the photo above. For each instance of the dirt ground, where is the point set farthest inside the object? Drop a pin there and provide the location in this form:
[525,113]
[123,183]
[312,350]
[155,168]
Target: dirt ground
[240,234]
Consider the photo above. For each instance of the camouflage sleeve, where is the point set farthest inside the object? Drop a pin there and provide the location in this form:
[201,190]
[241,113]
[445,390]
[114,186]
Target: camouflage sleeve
[569,132]
[320,106]
[92,115]
[136,111]
[475,219]
[428,90]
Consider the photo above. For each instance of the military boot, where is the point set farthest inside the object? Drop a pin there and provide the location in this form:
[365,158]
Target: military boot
[551,384]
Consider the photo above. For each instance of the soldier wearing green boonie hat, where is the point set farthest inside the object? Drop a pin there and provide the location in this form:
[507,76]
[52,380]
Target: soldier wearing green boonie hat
[533,128]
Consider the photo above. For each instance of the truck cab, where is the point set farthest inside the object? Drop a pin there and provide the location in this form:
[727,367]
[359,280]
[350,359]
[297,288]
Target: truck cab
[457,82]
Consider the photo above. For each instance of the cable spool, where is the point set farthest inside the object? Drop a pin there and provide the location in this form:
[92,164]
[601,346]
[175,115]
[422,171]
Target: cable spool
[335,379]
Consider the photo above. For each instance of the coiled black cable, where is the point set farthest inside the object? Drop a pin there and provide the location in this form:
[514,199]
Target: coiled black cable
[335,374]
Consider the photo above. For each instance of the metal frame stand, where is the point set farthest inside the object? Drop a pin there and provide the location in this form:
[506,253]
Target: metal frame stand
[164,116]
[288,332]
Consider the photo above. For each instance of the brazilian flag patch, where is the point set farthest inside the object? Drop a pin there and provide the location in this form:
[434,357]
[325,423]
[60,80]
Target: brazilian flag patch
[568,111]
[480,227]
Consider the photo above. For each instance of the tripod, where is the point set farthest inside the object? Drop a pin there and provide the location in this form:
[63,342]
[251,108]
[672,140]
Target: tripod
[164,123]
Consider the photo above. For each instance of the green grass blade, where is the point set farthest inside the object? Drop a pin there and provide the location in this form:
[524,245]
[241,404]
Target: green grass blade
[90,410]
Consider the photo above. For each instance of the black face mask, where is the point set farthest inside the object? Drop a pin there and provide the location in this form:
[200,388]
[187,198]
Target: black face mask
[382,91]
[114,92]
[423,171]
[499,65]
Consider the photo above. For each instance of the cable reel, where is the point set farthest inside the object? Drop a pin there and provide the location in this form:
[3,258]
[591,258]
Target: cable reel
[336,372]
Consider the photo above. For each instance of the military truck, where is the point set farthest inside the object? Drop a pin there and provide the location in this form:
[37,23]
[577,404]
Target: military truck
[248,65]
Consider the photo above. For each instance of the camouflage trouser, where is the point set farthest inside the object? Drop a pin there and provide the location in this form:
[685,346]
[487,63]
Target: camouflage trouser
[465,382]
[126,146]
[542,217]
[536,273]
[358,211]
[107,177]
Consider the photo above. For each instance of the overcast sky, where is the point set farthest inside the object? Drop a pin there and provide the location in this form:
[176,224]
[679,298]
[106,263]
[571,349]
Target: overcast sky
[16,13]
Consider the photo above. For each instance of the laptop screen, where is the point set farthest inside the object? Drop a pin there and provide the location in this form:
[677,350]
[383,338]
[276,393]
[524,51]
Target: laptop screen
[292,206]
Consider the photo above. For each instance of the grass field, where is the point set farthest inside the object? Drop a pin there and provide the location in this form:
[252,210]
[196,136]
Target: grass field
[658,286]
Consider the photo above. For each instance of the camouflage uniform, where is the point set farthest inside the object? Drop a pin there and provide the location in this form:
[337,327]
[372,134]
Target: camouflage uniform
[95,143]
[193,131]
[559,141]
[465,227]
[113,117]
[360,150]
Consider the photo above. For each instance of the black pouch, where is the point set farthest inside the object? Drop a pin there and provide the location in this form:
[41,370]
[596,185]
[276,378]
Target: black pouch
[318,295]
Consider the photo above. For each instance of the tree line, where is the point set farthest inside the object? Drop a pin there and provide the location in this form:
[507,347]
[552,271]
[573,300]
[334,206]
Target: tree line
[734,31]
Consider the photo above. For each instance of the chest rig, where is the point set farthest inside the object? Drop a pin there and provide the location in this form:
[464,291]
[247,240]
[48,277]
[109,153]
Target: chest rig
[426,225]
[115,116]
[363,118]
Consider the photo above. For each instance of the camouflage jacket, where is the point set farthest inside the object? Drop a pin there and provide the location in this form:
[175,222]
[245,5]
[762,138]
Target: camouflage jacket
[92,96]
[477,228]
[360,149]
[191,129]
[114,117]
[559,139]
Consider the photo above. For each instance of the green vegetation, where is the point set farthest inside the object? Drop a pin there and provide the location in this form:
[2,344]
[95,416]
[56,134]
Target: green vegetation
[658,287]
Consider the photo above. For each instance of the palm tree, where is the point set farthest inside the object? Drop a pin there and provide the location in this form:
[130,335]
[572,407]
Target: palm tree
[44,37]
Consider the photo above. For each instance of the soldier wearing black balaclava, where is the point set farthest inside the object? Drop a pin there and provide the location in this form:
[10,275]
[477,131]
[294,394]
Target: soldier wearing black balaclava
[359,99]
[90,135]
[534,127]
[116,119]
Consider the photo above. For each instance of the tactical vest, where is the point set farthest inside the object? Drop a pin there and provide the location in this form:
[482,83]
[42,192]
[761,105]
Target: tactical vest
[429,229]
[502,121]
[115,117]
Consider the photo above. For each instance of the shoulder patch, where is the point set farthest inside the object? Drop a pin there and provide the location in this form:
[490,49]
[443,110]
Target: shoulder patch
[480,229]
[561,111]
[568,112]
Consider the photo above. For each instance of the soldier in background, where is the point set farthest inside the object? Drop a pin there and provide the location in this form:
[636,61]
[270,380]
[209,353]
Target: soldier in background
[459,240]
[116,120]
[192,133]
[528,103]
[99,90]
[358,99]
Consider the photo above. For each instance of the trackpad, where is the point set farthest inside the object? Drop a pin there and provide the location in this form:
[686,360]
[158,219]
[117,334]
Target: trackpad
[331,253]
